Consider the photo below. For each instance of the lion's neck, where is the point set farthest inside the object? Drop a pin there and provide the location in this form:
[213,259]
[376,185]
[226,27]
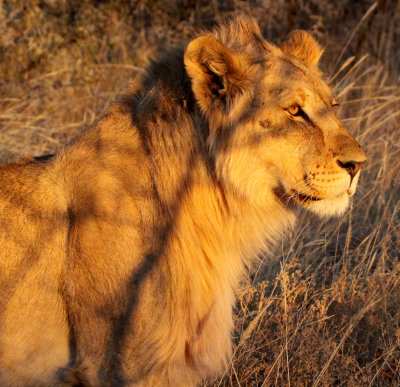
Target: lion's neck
[216,235]
[221,234]
[225,231]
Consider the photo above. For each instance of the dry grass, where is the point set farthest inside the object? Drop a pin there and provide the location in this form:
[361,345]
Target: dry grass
[326,310]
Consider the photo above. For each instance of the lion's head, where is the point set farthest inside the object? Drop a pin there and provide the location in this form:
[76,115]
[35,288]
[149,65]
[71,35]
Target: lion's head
[272,118]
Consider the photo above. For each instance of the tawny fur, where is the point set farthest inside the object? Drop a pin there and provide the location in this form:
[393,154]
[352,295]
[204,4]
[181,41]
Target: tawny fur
[120,255]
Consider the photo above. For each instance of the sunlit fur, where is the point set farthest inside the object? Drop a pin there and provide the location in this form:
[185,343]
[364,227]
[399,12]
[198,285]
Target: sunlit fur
[120,255]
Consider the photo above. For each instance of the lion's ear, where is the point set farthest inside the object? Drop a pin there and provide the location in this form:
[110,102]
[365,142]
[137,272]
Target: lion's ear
[302,46]
[216,73]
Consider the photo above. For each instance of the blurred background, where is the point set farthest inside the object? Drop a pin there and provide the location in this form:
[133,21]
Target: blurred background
[324,308]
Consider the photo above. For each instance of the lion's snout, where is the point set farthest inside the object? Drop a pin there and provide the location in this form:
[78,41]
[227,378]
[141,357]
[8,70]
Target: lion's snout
[352,167]
[350,156]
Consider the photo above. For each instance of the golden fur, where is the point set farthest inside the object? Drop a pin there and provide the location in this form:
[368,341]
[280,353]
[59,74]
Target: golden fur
[120,255]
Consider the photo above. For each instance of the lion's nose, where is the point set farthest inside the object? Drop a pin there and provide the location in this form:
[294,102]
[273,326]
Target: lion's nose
[351,166]
[350,156]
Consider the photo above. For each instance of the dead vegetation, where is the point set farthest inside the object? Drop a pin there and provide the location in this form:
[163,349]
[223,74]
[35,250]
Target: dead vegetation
[325,311]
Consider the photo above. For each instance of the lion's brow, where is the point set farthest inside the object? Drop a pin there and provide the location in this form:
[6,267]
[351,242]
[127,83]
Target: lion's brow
[291,67]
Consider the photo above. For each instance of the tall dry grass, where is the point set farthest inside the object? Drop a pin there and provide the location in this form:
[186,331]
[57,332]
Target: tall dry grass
[325,310]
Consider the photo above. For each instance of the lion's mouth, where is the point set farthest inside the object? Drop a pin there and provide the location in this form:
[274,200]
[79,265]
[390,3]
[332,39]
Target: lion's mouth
[304,198]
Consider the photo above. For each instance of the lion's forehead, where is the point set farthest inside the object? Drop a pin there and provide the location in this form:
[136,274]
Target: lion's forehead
[287,83]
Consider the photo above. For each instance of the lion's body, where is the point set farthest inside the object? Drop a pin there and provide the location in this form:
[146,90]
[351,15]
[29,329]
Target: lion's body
[120,255]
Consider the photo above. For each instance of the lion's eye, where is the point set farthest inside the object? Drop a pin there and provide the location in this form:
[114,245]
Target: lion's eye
[297,111]
[294,110]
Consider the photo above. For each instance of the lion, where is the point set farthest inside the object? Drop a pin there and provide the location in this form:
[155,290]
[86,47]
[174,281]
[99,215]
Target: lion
[121,253]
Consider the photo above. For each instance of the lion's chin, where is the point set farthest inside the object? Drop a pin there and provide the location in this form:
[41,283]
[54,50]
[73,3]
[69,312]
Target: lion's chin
[330,207]
[324,207]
